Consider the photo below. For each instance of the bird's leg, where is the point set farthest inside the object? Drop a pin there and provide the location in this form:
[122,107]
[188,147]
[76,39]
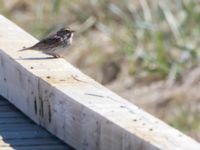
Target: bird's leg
[54,55]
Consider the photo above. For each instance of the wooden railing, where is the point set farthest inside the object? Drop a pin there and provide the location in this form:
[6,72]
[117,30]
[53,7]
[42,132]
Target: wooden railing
[74,107]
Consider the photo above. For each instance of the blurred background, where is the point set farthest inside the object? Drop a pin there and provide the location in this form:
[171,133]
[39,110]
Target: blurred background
[147,51]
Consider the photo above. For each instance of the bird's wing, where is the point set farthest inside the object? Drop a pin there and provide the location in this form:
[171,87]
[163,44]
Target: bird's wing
[48,43]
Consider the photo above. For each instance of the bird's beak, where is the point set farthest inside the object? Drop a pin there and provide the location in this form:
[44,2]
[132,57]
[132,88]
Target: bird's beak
[72,31]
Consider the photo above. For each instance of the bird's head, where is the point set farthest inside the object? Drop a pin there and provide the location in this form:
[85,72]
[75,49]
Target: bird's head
[66,32]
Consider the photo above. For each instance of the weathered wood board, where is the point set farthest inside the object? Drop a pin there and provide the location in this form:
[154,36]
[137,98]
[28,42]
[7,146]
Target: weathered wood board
[26,135]
[74,107]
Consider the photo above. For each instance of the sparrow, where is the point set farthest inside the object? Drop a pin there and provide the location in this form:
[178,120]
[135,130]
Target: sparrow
[55,44]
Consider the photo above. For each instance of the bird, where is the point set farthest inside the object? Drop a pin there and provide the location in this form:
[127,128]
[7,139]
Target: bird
[54,45]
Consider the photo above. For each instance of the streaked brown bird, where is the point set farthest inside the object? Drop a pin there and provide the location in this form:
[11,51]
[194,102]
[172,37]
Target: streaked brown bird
[55,44]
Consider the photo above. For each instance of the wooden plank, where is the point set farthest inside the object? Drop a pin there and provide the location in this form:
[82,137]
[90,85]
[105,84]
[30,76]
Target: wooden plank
[30,142]
[24,134]
[43,147]
[14,120]
[3,103]
[19,127]
[10,114]
[2,99]
[74,107]
[7,108]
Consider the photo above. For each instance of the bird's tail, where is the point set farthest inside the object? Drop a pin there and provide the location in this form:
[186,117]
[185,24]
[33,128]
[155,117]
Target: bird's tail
[24,49]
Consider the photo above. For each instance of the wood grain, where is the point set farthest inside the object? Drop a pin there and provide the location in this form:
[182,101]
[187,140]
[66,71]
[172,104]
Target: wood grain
[17,132]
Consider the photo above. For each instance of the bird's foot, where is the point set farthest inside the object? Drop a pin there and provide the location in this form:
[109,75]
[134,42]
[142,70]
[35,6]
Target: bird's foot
[57,56]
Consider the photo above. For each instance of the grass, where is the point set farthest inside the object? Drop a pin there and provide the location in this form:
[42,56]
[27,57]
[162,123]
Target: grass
[186,120]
